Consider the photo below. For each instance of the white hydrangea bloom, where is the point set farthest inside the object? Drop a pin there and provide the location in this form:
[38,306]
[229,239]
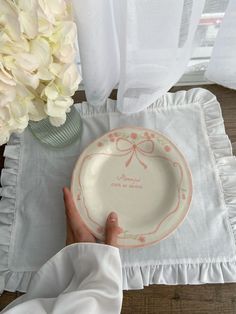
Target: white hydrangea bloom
[38,74]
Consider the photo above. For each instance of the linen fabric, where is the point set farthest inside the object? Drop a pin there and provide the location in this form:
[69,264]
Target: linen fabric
[82,278]
[141,46]
[201,250]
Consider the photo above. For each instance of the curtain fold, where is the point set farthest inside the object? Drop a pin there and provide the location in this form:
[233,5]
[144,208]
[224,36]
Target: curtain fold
[155,46]
[222,65]
[98,46]
[141,45]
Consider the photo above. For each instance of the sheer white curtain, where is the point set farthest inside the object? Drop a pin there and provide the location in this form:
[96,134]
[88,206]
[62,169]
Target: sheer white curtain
[141,45]
[222,66]
[98,46]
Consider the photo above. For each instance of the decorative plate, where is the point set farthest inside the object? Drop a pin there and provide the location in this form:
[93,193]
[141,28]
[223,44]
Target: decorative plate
[141,175]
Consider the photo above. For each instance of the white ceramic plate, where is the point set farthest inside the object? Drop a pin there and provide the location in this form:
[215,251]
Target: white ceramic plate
[141,175]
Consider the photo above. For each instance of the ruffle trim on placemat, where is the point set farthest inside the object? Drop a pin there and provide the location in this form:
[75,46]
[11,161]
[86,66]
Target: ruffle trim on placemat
[223,156]
[85,109]
[136,276]
[10,280]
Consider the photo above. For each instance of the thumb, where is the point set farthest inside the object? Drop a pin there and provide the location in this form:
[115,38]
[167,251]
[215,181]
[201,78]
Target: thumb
[112,229]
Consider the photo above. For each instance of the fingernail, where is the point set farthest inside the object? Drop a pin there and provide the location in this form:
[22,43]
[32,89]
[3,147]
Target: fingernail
[113,217]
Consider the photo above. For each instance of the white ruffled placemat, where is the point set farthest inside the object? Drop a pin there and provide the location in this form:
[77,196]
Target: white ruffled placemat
[202,250]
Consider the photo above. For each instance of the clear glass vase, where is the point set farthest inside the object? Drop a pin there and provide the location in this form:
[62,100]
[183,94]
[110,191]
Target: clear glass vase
[58,137]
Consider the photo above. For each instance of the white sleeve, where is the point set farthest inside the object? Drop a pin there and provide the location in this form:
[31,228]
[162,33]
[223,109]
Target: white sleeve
[82,278]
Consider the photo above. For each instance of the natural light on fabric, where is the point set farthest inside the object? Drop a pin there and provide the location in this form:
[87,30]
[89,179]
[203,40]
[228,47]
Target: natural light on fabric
[142,45]
[222,66]
[99,51]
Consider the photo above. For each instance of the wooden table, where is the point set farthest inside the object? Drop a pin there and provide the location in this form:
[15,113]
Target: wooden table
[201,299]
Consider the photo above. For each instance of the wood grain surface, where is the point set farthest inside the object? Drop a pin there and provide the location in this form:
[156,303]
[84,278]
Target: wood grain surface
[190,299]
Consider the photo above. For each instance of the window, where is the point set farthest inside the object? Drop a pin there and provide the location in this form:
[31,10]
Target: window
[208,28]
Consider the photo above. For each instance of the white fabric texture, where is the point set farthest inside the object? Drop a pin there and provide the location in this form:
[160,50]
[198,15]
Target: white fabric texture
[201,250]
[82,278]
[221,68]
[144,46]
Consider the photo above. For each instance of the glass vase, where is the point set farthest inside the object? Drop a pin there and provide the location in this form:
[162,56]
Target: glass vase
[58,137]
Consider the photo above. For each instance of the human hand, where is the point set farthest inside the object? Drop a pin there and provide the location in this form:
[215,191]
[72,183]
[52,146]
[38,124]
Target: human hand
[78,232]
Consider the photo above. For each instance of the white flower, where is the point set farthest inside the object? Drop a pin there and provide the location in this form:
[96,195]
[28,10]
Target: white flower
[56,68]
[26,61]
[7,94]
[36,110]
[5,77]
[64,42]
[7,7]
[4,115]
[41,50]
[9,46]
[28,18]
[51,91]
[9,20]
[54,8]
[45,11]
[56,109]
[4,133]
[7,87]
[45,27]
[26,77]
[38,74]
[68,80]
